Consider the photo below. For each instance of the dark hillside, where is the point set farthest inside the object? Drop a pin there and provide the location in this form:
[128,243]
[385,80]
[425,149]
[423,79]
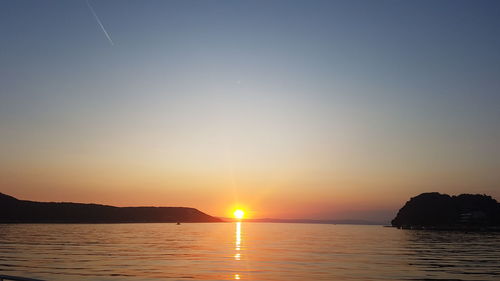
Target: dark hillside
[13,210]
[441,210]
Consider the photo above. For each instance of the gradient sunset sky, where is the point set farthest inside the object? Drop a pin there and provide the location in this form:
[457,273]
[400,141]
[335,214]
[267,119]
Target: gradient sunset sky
[289,109]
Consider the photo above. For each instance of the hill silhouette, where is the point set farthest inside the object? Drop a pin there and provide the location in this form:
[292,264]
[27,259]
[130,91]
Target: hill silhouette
[435,210]
[13,210]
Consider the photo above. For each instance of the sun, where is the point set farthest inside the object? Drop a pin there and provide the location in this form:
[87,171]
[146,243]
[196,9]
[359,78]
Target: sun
[239,214]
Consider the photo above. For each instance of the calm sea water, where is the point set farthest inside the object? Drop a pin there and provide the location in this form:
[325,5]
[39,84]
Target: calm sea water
[246,251]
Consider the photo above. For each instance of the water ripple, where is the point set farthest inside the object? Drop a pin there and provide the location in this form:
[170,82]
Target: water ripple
[256,251]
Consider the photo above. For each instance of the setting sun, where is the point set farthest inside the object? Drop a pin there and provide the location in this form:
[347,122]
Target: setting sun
[239,214]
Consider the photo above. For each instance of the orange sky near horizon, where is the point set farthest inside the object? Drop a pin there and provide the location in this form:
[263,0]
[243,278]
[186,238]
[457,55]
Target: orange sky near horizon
[218,192]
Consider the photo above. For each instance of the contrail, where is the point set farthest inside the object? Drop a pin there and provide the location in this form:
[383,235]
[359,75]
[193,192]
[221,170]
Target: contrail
[100,23]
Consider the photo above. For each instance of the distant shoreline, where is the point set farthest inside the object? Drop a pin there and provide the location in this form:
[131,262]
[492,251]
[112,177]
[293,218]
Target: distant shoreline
[309,221]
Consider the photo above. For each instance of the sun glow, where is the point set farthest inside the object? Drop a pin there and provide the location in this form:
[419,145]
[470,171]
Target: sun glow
[239,214]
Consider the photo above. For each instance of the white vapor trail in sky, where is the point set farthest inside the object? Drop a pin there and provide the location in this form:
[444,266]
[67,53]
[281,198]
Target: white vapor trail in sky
[100,23]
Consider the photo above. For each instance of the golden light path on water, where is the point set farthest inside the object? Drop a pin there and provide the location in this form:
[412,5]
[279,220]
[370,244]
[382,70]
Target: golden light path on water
[237,255]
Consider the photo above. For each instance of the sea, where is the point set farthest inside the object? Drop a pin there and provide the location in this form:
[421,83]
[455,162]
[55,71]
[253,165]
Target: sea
[244,251]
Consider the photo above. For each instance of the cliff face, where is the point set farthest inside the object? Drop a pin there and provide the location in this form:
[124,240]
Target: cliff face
[441,210]
[13,210]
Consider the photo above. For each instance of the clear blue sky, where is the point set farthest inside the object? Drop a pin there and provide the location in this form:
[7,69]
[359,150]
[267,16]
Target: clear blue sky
[332,108]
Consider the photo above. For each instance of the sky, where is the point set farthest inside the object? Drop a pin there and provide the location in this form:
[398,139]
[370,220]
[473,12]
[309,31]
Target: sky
[288,109]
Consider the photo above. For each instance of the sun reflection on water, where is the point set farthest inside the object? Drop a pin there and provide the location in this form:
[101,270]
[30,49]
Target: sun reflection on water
[238,236]
[237,255]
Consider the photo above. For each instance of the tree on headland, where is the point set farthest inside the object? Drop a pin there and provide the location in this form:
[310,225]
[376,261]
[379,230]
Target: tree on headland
[436,210]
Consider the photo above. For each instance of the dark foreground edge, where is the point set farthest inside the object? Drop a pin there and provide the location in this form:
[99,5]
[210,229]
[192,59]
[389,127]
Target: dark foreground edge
[15,278]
